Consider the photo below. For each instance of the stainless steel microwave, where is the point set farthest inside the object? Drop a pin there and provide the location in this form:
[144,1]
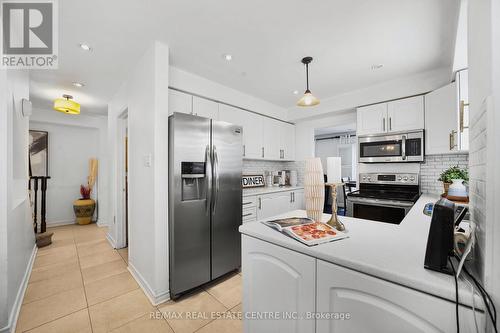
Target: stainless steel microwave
[394,147]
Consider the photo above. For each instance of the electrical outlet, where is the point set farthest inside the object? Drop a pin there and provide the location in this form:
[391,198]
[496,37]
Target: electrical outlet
[148,160]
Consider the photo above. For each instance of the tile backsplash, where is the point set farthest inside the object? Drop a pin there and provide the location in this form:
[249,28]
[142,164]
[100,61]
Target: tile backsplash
[434,165]
[261,167]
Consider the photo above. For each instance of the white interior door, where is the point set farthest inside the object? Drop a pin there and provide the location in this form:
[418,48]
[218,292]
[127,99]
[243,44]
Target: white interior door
[121,222]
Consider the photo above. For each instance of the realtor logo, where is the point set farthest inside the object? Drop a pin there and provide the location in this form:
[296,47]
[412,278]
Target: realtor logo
[29,34]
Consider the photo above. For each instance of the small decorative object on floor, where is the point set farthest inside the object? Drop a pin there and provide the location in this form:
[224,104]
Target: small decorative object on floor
[84,207]
[314,189]
[454,173]
[44,239]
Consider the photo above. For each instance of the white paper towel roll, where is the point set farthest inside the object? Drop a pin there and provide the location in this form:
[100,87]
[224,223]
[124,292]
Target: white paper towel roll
[334,172]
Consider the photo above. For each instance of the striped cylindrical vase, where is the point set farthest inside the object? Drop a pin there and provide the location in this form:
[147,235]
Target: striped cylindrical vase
[314,188]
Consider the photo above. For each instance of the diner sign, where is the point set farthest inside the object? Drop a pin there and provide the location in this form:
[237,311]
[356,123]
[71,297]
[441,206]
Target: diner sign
[252,181]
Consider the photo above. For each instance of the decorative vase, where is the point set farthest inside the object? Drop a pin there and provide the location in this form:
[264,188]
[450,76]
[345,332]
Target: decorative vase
[457,188]
[84,210]
[314,189]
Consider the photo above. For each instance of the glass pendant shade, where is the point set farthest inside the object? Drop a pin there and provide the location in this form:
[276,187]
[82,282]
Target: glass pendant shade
[308,99]
[66,105]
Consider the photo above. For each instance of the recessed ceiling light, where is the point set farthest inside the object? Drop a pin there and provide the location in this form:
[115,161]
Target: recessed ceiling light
[295,92]
[78,84]
[85,47]
[227,56]
[377,66]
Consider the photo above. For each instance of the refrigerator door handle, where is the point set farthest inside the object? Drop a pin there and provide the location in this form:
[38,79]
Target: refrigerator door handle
[216,179]
[208,180]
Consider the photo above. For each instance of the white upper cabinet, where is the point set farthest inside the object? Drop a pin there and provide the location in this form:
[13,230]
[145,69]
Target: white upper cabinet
[287,145]
[372,119]
[401,115]
[252,129]
[179,102]
[205,108]
[405,114]
[272,139]
[441,120]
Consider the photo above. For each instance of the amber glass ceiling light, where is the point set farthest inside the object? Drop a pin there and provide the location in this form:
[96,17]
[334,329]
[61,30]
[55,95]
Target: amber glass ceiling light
[308,99]
[66,105]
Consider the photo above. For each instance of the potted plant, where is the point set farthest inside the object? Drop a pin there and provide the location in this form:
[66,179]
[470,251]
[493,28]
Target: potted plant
[456,176]
[85,206]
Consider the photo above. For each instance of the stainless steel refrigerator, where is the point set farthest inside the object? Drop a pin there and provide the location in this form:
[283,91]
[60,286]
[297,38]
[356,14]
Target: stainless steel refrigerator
[205,165]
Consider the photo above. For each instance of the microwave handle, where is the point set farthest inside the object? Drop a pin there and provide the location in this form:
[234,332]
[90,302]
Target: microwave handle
[403,147]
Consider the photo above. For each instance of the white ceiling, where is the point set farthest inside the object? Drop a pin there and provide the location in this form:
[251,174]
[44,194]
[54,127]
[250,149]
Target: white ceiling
[266,38]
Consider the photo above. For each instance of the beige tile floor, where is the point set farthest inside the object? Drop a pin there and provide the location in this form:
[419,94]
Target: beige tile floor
[81,284]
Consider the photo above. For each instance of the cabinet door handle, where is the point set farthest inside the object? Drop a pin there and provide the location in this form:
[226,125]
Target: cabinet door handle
[383,124]
[390,123]
[291,196]
[452,140]
[462,108]
[245,215]
[246,203]
[260,203]
[244,150]
[262,151]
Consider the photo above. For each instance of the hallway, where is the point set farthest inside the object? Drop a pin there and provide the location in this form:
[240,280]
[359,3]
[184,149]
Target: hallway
[81,284]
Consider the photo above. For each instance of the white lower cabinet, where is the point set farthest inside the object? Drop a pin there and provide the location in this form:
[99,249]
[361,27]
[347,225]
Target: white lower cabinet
[277,282]
[273,204]
[376,305]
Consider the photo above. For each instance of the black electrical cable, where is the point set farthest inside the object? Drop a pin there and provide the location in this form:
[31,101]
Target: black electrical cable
[486,298]
[456,294]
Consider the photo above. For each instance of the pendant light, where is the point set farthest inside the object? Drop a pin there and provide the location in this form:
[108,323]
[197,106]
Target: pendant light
[308,99]
[67,105]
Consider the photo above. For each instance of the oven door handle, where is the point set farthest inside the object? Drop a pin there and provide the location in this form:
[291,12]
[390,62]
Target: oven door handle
[381,202]
[403,147]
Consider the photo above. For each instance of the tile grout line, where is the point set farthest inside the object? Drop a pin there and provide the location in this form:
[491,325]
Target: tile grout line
[50,321]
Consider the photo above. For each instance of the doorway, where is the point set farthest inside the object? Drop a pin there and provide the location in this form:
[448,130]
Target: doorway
[122,182]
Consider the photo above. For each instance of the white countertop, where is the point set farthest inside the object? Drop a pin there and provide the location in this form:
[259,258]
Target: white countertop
[391,252]
[269,189]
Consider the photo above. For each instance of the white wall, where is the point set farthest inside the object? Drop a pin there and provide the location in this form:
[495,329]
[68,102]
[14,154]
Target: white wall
[484,158]
[73,140]
[402,87]
[16,232]
[198,85]
[145,96]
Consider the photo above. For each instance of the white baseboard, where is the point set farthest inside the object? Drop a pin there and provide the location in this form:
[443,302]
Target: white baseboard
[60,223]
[154,298]
[111,241]
[14,314]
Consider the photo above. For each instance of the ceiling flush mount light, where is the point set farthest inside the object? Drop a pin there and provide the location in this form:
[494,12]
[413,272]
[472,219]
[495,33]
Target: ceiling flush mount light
[308,99]
[67,105]
[78,84]
[227,57]
[85,47]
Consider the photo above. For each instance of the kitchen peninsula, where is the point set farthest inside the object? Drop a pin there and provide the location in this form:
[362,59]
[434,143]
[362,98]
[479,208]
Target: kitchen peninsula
[374,280]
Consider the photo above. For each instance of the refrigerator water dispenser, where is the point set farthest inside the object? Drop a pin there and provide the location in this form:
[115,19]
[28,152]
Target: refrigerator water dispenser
[193,181]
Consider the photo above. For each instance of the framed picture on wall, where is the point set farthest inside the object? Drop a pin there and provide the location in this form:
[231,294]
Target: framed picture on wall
[39,154]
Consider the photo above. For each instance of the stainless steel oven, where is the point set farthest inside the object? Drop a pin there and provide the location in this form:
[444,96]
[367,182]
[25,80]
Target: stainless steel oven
[384,197]
[395,147]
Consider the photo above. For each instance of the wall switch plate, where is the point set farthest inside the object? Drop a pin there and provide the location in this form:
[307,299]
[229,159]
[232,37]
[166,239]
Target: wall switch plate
[148,160]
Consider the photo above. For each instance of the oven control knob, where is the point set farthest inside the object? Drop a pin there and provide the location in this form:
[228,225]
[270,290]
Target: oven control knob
[412,179]
[399,178]
[364,177]
[405,178]
[368,178]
